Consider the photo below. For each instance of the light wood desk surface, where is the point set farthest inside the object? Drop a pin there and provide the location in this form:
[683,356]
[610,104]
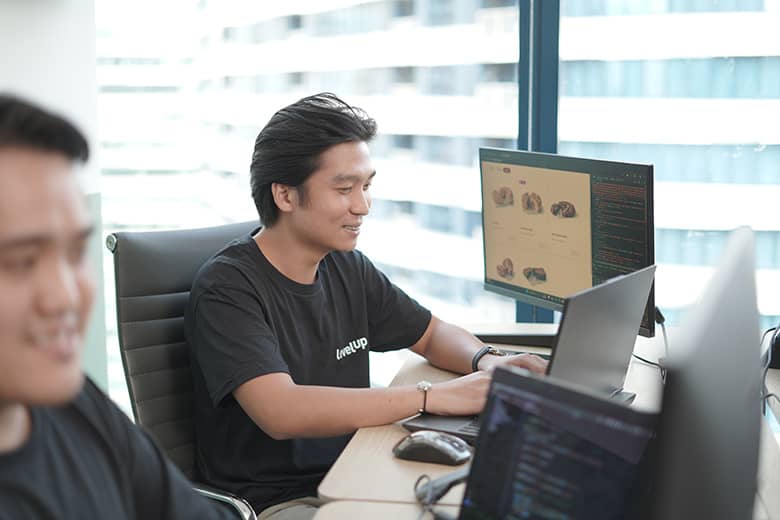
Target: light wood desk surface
[773,384]
[367,470]
[342,509]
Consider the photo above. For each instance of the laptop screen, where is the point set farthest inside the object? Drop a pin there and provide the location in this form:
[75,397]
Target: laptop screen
[548,451]
[598,330]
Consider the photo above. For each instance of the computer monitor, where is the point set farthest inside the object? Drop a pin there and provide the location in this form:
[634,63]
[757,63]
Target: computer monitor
[548,449]
[555,225]
[708,434]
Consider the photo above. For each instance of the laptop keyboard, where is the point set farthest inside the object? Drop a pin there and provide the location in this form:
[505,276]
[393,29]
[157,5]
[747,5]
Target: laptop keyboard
[515,352]
[470,428]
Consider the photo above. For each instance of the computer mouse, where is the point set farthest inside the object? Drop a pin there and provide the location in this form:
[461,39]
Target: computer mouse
[432,446]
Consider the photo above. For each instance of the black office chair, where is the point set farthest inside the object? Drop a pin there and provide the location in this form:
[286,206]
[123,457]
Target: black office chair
[153,272]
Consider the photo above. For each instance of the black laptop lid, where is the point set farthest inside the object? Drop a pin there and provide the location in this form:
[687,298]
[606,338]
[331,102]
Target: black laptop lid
[598,330]
[547,450]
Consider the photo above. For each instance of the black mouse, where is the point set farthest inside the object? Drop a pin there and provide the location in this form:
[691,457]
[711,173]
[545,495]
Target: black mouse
[431,446]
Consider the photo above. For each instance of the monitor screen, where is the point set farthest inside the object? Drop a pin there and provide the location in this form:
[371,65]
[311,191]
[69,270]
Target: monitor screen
[546,450]
[554,225]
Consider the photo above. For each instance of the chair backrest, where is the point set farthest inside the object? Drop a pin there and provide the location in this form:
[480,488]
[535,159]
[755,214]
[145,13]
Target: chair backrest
[153,274]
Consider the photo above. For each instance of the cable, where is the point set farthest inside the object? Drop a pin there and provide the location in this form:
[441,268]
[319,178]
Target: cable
[428,492]
[659,319]
[769,352]
[425,503]
[765,391]
[660,367]
[653,363]
[666,341]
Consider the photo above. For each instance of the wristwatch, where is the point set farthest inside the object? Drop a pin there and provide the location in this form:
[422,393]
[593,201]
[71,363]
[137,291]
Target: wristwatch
[424,386]
[487,349]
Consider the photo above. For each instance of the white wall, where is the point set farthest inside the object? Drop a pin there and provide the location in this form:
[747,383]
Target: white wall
[47,55]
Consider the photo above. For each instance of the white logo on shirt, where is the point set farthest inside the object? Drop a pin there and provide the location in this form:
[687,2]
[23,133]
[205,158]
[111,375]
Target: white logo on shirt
[352,347]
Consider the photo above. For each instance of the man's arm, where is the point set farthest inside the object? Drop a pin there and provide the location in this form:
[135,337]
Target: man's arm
[286,410]
[452,348]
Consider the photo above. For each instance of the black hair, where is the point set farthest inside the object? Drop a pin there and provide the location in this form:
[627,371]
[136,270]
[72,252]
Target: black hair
[288,149]
[23,124]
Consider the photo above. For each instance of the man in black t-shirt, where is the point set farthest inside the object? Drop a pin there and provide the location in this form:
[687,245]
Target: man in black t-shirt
[66,451]
[280,322]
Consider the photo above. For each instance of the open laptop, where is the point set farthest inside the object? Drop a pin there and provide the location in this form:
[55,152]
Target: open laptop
[549,449]
[592,348]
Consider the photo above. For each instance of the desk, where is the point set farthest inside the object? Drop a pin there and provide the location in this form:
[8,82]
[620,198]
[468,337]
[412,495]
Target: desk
[773,384]
[367,470]
[342,509]
[767,505]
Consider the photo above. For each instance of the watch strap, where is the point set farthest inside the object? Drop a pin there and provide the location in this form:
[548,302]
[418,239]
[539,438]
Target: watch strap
[487,349]
[424,386]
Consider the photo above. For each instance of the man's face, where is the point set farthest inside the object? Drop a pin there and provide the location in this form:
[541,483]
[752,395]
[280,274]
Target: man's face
[336,199]
[46,290]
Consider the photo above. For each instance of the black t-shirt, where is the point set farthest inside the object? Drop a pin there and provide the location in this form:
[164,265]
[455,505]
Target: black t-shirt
[245,319]
[87,460]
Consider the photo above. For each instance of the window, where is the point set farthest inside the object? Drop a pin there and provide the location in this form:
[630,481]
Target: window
[403,74]
[697,112]
[714,77]
[499,72]
[295,79]
[441,81]
[403,8]
[294,22]
[218,94]
[498,3]
[403,141]
[441,12]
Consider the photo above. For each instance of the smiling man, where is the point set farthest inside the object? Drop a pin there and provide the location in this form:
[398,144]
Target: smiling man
[281,321]
[66,451]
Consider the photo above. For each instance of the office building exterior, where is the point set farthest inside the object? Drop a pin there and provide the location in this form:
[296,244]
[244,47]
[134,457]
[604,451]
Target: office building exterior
[692,87]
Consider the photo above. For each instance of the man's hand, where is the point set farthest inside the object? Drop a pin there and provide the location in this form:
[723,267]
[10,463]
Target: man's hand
[464,395]
[468,394]
[527,361]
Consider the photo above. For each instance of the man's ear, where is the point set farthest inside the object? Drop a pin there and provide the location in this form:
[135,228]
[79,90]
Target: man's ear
[285,197]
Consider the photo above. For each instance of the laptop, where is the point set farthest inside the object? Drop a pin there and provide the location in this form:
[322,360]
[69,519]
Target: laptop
[592,348]
[549,449]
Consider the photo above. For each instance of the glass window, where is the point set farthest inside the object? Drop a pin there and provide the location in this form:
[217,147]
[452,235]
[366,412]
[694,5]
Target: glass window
[404,74]
[295,79]
[696,111]
[499,72]
[571,8]
[294,22]
[441,12]
[403,8]
[177,127]
[498,3]
[440,81]
[403,141]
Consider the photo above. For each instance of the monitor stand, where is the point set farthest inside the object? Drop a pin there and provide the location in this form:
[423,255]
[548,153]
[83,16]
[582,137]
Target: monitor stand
[519,334]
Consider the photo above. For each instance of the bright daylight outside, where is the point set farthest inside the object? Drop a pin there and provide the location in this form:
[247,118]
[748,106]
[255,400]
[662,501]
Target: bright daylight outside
[185,86]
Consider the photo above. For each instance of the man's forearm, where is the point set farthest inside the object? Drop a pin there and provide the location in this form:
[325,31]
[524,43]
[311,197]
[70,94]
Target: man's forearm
[323,411]
[451,347]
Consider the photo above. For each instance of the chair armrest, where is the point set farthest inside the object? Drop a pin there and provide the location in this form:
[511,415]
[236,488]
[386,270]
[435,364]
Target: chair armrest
[240,505]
